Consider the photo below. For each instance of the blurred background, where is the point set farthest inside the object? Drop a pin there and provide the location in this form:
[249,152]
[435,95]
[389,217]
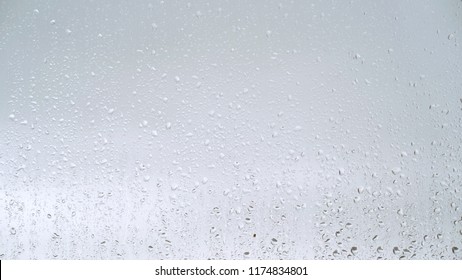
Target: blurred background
[230,129]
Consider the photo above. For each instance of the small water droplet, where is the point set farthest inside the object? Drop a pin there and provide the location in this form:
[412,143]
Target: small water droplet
[354,250]
[396,170]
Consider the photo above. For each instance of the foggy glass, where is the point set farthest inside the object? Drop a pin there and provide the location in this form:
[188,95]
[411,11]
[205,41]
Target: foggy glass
[230,129]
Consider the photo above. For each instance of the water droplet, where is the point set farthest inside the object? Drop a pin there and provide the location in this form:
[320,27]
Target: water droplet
[396,170]
[354,250]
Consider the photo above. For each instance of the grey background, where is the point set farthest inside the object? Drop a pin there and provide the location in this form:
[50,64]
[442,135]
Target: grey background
[230,129]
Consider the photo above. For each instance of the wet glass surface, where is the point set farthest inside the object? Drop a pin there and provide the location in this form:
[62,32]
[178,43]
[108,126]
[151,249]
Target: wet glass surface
[230,129]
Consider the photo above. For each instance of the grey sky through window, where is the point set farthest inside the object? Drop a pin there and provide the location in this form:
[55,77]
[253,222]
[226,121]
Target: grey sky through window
[230,129]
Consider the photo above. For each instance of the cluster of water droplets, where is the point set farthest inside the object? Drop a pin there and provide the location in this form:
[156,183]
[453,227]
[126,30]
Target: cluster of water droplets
[260,130]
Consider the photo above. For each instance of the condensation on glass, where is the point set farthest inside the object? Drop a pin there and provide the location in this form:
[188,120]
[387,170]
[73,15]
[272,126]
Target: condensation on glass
[230,129]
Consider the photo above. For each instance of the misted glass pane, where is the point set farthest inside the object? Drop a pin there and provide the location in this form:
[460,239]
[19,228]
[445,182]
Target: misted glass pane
[230,129]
